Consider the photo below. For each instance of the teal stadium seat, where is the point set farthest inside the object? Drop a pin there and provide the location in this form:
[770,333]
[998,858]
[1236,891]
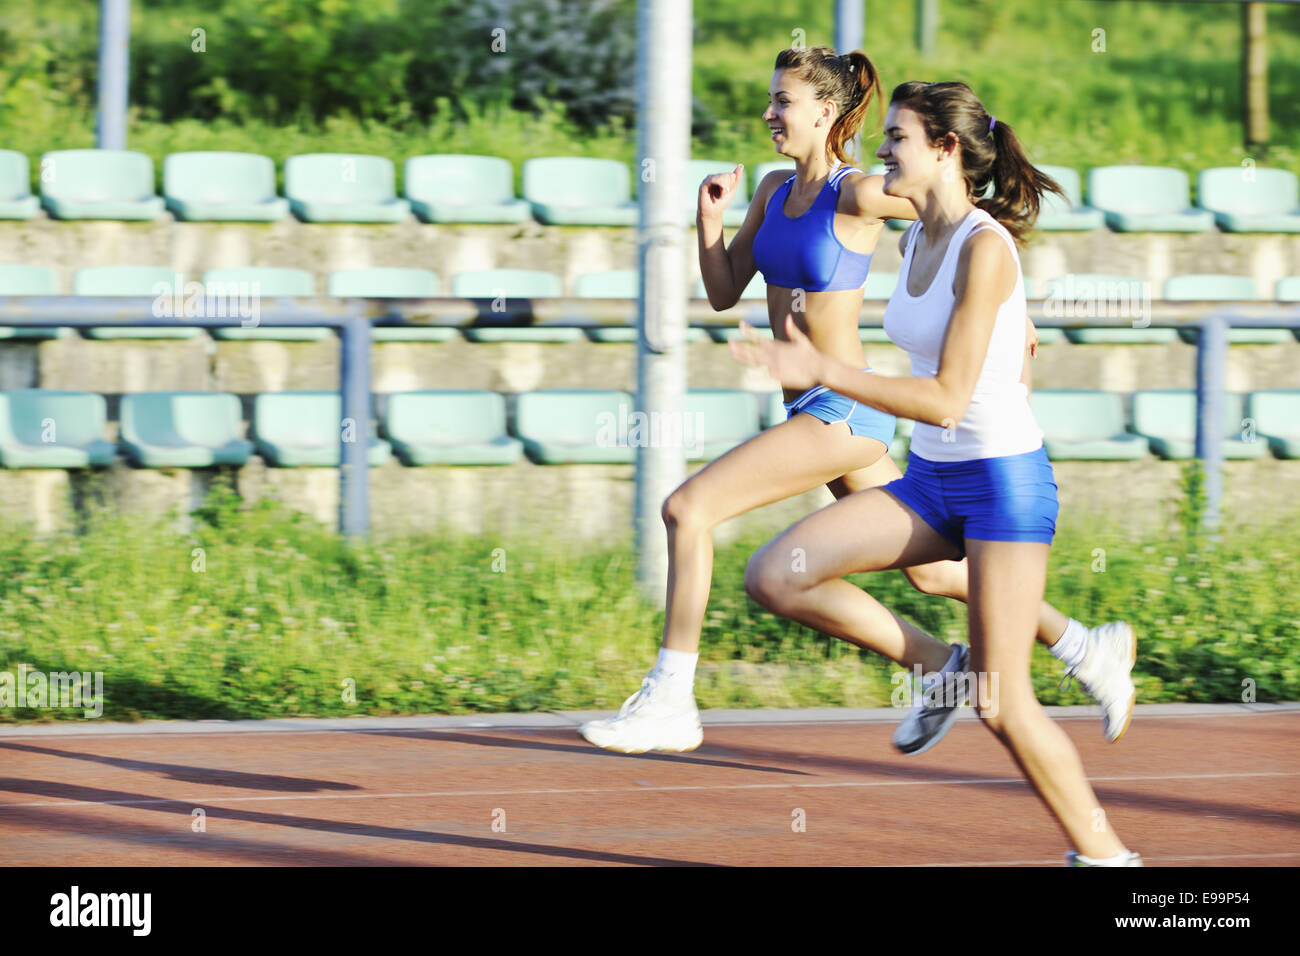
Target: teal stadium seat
[217,186]
[785,165]
[879,285]
[579,191]
[773,409]
[271,282]
[455,188]
[343,187]
[512,284]
[1250,200]
[1288,290]
[1168,419]
[1221,288]
[99,184]
[297,429]
[697,170]
[1032,294]
[392,283]
[182,430]
[16,199]
[1068,214]
[1083,294]
[29,280]
[1085,426]
[48,429]
[616,284]
[131,281]
[717,420]
[1276,415]
[450,427]
[756,291]
[578,426]
[1146,199]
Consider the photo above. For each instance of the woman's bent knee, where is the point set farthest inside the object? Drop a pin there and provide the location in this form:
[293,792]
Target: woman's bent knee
[766,581]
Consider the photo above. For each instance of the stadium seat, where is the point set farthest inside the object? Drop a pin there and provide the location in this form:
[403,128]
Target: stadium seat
[1068,214]
[182,430]
[451,427]
[512,284]
[1168,419]
[1287,290]
[1254,200]
[578,426]
[16,199]
[614,284]
[263,282]
[785,165]
[343,187]
[726,334]
[392,283]
[1087,293]
[1032,294]
[773,409]
[215,186]
[579,191]
[879,285]
[1085,426]
[148,281]
[1276,415]
[99,184]
[1146,199]
[296,429]
[755,291]
[49,429]
[29,280]
[717,420]
[456,188]
[697,170]
[1221,288]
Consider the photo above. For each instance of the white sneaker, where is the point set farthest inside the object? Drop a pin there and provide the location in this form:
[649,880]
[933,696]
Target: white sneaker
[653,718]
[1073,858]
[1105,673]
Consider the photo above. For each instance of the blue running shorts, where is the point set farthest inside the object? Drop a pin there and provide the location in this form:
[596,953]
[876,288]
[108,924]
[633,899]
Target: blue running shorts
[1012,498]
[820,402]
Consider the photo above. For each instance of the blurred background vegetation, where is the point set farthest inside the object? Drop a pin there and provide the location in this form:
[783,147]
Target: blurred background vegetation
[406,77]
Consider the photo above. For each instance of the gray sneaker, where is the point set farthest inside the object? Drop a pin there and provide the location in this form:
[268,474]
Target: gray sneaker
[924,726]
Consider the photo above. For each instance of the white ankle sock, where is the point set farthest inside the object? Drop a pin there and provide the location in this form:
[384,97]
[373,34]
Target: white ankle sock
[1106,861]
[1072,645]
[677,669]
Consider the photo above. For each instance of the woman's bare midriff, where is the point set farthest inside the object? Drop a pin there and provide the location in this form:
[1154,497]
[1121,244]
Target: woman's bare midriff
[829,319]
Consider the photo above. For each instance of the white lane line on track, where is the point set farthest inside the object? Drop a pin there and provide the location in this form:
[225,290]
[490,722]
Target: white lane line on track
[217,799]
[1145,859]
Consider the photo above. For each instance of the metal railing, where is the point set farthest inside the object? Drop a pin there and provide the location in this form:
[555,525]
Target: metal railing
[354,318]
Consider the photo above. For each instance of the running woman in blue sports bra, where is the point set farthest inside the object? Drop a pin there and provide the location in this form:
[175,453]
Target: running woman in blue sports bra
[812,235]
[978,482]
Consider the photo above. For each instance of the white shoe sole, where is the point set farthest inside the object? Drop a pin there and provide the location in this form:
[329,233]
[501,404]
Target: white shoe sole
[1132,701]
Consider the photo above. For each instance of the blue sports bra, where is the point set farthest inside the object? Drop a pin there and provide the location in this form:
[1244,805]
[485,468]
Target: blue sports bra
[803,253]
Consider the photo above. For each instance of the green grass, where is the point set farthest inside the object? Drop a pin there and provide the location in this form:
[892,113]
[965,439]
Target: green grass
[283,618]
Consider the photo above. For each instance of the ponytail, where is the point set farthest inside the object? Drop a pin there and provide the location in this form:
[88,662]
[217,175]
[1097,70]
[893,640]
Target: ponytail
[850,81]
[1018,186]
[863,84]
[991,153]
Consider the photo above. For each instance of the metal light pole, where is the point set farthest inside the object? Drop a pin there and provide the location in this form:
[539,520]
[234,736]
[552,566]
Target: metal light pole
[114,55]
[664,142]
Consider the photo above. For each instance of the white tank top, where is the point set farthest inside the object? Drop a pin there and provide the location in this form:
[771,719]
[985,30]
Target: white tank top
[999,420]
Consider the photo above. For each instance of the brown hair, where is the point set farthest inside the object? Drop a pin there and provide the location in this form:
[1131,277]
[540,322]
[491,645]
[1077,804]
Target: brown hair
[849,81]
[988,156]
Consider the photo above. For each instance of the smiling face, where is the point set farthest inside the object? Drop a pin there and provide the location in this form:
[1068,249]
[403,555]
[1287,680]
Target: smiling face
[912,165]
[793,113]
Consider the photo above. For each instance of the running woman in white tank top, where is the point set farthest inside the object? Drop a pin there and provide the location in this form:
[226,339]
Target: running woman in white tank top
[978,482]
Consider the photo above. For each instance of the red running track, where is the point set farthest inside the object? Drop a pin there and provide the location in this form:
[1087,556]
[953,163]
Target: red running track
[1218,790]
